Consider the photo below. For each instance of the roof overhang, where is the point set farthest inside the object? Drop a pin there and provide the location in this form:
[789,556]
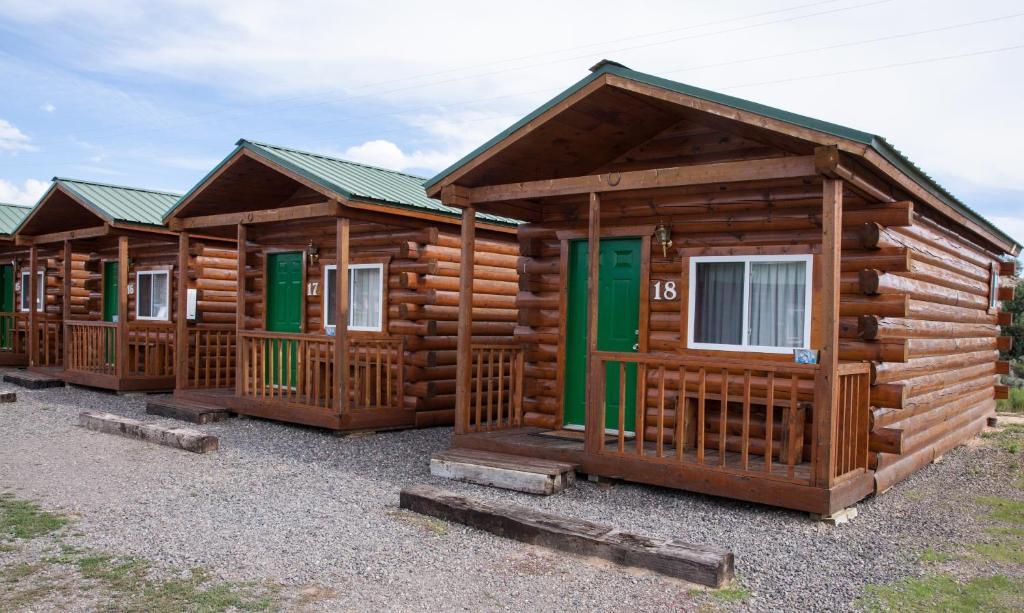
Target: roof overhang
[873,150]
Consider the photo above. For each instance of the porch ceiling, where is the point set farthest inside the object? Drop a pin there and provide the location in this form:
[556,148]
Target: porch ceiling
[59,212]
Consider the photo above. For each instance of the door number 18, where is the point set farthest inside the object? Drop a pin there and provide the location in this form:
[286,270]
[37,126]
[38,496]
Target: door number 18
[665,290]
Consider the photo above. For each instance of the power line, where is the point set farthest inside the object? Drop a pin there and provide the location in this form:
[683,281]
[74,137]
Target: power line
[234,111]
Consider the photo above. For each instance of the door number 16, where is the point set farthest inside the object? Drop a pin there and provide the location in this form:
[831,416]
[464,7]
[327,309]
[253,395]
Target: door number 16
[665,290]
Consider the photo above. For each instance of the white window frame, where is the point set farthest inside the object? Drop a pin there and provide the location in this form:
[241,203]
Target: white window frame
[138,302]
[351,279]
[747,260]
[993,288]
[24,297]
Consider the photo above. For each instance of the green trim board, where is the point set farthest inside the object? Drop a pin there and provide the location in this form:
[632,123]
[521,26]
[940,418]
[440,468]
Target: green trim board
[878,143]
[350,180]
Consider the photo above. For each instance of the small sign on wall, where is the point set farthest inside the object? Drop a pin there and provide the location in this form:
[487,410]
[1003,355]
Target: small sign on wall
[664,290]
[313,288]
[805,356]
[190,304]
[131,289]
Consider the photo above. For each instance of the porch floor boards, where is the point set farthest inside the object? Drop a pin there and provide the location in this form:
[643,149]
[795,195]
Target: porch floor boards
[532,442]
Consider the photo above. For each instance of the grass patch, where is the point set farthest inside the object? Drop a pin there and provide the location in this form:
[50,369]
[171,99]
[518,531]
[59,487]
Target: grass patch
[941,593]
[1010,552]
[21,519]
[1013,404]
[1009,438]
[1004,509]
[733,594]
[933,556]
[430,524]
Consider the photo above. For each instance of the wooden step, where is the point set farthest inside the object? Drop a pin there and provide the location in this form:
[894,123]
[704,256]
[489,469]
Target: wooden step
[186,410]
[711,566]
[510,472]
[33,380]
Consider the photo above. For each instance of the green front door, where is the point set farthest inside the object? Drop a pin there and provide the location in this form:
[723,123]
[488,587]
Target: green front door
[7,306]
[617,326]
[284,313]
[111,299]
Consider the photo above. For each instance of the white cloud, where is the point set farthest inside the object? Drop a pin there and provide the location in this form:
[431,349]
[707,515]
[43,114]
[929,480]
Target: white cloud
[27,193]
[49,107]
[13,140]
[387,154]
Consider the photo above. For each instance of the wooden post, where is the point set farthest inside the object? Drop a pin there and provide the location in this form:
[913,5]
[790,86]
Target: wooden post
[341,305]
[65,307]
[243,253]
[33,298]
[464,360]
[181,312]
[826,382]
[594,432]
[121,362]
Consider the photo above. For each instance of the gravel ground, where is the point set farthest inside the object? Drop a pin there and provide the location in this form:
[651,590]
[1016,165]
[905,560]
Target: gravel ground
[319,514]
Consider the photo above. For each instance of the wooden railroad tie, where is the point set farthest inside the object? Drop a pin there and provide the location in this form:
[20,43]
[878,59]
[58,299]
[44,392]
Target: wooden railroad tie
[179,438]
[711,566]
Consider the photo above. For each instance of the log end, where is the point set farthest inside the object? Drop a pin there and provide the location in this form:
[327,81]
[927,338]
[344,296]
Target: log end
[867,327]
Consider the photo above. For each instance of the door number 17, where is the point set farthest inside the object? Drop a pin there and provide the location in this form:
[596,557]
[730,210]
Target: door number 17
[665,290]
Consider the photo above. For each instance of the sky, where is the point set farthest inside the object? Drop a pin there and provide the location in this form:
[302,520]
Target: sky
[154,94]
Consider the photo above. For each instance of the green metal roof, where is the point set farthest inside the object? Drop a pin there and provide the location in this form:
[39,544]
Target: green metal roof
[119,203]
[11,216]
[352,180]
[878,143]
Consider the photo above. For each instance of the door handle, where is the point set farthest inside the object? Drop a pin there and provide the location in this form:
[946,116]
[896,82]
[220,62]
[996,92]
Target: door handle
[636,346]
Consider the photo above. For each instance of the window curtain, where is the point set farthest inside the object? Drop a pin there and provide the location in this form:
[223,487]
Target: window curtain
[145,295]
[160,287]
[365,299]
[777,299]
[718,304]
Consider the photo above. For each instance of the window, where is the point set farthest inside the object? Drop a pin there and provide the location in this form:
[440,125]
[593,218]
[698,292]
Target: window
[26,289]
[151,294]
[750,303]
[366,296]
[993,287]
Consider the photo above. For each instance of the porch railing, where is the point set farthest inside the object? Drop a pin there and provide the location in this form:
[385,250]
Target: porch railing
[150,349]
[290,368]
[50,336]
[211,358]
[299,369]
[91,346]
[376,373]
[852,420]
[13,328]
[496,388]
[751,417]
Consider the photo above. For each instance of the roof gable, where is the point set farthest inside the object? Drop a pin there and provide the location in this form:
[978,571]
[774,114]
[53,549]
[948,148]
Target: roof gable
[605,70]
[347,179]
[72,204]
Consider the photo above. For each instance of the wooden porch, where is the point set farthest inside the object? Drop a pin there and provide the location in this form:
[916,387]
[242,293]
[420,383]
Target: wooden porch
[13,339]
[737,428]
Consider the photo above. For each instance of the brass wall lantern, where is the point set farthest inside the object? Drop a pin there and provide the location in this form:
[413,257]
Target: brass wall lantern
[663,233]
[314,253]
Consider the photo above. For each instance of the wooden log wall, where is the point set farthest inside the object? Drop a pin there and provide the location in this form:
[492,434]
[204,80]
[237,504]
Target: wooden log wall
[914,303]
[935,381]
[421,294]
[211,268]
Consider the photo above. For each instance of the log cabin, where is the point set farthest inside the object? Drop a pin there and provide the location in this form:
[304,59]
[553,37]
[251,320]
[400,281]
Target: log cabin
[727,298]
[13,318]
[347,298]
[108,270]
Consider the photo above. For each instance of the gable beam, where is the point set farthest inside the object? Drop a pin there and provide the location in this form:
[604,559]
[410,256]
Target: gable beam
[702,174]
[320,209]
[58,237]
